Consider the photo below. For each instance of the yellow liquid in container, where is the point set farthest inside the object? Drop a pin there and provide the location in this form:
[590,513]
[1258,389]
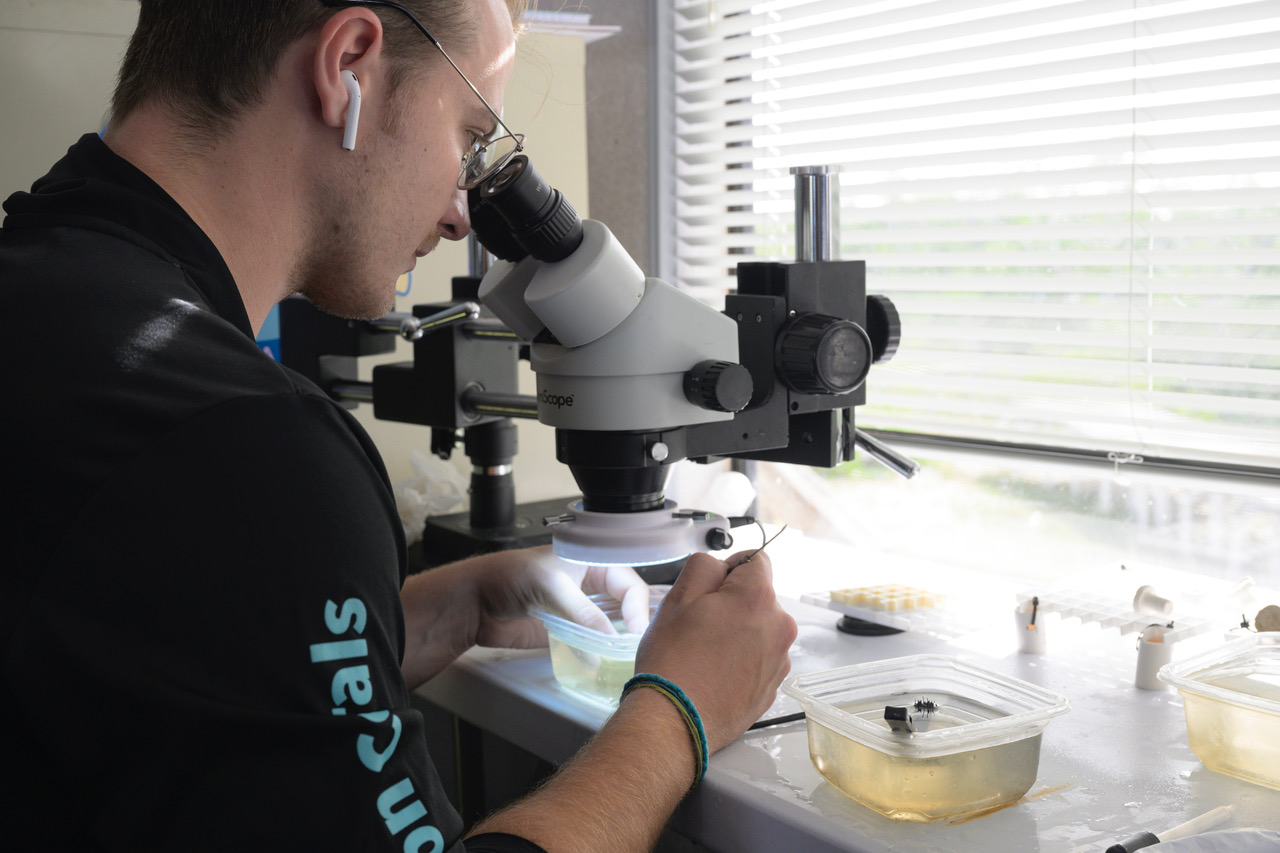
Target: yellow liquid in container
[973,742]
[925,789]
[1232,739]
[593,664]
[588,674]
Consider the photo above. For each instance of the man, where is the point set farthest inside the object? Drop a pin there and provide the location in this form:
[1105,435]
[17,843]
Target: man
[201,638]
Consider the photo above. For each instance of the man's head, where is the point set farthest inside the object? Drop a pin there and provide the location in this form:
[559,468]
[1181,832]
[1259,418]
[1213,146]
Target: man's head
[254,88]
[208,61]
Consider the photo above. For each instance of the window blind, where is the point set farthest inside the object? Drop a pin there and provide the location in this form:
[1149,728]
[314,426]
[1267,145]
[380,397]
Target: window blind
[1074,204]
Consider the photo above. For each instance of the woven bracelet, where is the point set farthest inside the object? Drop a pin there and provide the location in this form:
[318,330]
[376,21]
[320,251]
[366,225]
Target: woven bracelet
[687,710]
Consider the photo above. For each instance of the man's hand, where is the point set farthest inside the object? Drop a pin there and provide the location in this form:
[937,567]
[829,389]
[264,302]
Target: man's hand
[723,638]
[536,578]
[485,601]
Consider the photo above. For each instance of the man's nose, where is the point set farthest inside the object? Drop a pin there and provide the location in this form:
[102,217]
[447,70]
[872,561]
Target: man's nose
[456,222]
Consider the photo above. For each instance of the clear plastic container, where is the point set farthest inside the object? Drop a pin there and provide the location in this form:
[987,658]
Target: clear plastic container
[1231,696]
[976,743]
[590,663]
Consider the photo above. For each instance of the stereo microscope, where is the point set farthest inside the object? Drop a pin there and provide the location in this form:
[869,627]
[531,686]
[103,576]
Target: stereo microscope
[632,373]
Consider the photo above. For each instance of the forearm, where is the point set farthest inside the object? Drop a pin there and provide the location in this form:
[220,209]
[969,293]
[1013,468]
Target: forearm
[441,613]
[619,792]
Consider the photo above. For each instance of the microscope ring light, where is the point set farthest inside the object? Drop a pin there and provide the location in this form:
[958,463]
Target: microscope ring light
[630,538]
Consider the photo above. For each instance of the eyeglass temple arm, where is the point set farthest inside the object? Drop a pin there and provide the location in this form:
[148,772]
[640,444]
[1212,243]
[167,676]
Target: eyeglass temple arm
[338,4]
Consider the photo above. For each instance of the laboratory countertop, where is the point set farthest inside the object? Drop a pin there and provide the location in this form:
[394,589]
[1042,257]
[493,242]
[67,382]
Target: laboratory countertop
[1118,762]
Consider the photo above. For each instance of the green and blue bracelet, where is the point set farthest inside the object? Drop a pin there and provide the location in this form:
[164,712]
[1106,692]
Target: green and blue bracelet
[690,714]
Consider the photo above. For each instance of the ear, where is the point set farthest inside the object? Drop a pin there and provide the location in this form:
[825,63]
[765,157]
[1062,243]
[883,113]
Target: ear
[350,41]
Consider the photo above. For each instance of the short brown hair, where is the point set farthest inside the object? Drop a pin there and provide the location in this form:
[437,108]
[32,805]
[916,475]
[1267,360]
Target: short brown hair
[209,60]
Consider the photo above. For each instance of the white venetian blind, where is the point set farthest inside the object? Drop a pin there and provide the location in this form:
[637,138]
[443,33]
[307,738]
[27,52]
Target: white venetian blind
[1074,204]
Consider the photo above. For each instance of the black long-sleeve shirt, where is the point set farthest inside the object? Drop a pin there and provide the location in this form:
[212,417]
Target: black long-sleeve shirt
[200,626]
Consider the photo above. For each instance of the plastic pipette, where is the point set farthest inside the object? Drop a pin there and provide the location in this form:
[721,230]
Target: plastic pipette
[1196,825]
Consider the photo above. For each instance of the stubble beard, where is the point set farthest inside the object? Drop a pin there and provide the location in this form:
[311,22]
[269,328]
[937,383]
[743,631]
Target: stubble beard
[337,273]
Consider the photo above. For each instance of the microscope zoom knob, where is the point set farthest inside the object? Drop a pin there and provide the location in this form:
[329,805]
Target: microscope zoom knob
[884,327]
[820,354]
[718,386]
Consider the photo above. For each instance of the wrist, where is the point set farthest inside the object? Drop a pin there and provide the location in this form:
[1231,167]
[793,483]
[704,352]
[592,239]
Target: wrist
[441,614]
[684,706]
[618,792]
[649,715]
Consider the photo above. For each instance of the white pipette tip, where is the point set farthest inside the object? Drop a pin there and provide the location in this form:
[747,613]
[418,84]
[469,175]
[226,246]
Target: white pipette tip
[1196,825]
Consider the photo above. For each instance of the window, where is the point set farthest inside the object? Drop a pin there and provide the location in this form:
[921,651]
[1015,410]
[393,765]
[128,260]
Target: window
[1074,204]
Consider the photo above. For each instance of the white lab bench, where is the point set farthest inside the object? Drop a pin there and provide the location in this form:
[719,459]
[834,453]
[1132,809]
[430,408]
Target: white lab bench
[1116,763]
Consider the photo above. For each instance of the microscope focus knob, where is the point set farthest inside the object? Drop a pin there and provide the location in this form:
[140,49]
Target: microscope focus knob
[719,539]
[718,386]
[884,327]
[820,354]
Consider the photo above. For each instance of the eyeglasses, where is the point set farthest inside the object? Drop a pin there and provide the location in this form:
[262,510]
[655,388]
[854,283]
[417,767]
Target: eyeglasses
[487,155]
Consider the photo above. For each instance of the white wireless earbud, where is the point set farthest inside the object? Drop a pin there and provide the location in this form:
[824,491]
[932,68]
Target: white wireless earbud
[353,109]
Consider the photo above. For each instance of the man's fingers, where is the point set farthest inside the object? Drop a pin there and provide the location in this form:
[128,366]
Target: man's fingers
[635,608]
[622,584]
[629,588]
[752,564]
[702,574]
[572,603]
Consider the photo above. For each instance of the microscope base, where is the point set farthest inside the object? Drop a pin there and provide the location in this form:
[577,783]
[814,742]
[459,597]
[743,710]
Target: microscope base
[451,537]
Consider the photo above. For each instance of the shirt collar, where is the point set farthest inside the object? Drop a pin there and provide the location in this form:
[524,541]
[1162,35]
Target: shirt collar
[92,182]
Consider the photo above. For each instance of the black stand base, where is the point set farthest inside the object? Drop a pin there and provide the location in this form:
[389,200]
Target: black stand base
[451,537]
[863,628]
[661,573]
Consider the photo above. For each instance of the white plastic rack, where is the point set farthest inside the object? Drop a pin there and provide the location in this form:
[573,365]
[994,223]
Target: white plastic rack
[1108,611]
[894,606]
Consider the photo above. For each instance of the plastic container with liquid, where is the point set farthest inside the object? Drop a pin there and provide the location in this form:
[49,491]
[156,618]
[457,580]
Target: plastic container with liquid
[1231,697]
[976,745]
[590,663]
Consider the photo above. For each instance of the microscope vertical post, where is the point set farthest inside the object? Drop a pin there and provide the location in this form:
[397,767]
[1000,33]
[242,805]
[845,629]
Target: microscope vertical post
[817,213]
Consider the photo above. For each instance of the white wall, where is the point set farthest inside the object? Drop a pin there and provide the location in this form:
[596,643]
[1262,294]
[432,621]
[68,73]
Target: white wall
[64,55]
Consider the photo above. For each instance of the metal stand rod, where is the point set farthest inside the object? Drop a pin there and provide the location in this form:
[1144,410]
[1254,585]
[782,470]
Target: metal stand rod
[352,392]
[817,214]
[478,402]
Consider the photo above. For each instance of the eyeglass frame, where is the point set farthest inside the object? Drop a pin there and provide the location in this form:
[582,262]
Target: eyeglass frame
[477,149]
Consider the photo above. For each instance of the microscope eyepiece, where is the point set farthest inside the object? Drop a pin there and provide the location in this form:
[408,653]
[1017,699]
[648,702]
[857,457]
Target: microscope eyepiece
[506,175]
[492,230]
[529,213]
